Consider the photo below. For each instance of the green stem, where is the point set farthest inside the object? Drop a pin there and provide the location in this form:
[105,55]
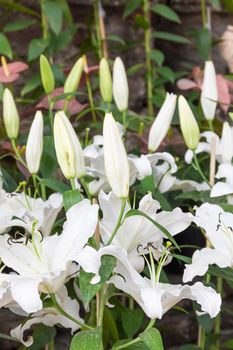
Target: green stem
[51,345]
[124,119]
[118,224]
[50,113]
[201,337]
[72,183]
[17,154]
[147,43]
[90,97]
[85,186]
[136,340]
[64,313]
[44,23]
[97,27]
[198,168]
[203,13]
[210,122]
[217,321]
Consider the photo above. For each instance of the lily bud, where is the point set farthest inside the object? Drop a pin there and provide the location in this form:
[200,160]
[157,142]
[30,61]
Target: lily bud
[73,78]
[209,94]
[34,146]
[10,115]
[226,143]
[46,75]
[68,149]
[105,81]
[162,122]
[188,124]
[120,85]
[115,158]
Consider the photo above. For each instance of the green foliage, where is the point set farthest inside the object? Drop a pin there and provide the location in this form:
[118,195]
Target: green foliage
[54,15]
[5,46]
[166,12]
[131,6]
[19,25]
[87,340]
[171,37]
[89,290]
[71,197]
[131,321]
[36,48]
[152,338]
[42,336]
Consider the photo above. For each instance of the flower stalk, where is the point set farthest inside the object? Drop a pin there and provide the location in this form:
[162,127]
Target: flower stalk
[147,44]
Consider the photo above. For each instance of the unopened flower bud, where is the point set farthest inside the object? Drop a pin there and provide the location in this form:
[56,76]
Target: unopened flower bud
[46,75]
[188,124]
[120,85]
[209,94]
[68,149]
[10,115]
[115,158]
[34,145]
[105,81]
[73,78]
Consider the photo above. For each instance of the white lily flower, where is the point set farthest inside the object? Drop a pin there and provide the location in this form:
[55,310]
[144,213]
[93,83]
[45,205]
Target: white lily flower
[218,228]
[50,316]
[34,145]
[45,265]
[221,188]
[156,298]
[115,158]
[120,85]
[68,149]
[10,115]
[137,231]
[209,93]
[28,210]
[162,122]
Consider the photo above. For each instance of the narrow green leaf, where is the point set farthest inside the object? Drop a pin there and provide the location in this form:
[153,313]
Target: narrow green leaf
[71,198]
[204,42]
[13,6]
[5,46]
[48,157]
[167,73]
[87,340]
[152,338]
[157,56]
[136,212]
[42,336]
[131,6]
[110,324]
[131,321]
[171,37]
[166,12]
[36,47]
[19,25]
[31,84]
[54,15]
[116,39]
[55,185]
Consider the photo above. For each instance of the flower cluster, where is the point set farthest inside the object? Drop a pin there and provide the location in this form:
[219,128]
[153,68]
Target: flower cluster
[110,232]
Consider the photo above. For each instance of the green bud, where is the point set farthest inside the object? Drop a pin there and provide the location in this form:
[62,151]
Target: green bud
[46,73]
[73,79]
[188,124]
[10,115]
[105,81]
